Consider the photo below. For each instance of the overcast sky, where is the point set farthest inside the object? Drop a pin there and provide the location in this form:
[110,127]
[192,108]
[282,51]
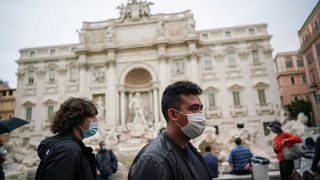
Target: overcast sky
[34,23]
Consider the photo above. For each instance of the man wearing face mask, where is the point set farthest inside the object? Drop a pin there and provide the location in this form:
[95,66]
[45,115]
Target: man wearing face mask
[64,156]
[171,156]
[106,161]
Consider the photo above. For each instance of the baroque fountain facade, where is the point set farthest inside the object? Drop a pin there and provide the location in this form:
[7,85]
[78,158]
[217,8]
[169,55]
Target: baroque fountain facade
[124,64]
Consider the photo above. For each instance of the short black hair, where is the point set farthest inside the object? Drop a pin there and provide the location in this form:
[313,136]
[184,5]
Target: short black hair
[171,97]
[101,144]
[237,141]
[207,148]
[276,124]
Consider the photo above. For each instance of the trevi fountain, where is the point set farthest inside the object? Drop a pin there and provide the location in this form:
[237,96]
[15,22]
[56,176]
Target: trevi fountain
[125,76]
[127,140]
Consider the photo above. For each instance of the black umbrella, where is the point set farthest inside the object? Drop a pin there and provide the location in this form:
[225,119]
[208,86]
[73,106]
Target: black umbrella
[10,124]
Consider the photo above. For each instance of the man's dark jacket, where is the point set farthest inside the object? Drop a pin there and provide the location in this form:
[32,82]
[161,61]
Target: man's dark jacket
[65,157]
[106,162]
[316,158]
[163,159]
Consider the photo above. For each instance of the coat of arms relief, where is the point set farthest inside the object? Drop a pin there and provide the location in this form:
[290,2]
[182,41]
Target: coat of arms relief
[134,10]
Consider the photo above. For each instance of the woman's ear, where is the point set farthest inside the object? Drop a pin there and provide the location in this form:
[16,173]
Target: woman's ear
[172,115]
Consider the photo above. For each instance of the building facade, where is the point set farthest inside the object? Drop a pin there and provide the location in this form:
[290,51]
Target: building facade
[140,52]
[291,77]
[7,101]
[309,36]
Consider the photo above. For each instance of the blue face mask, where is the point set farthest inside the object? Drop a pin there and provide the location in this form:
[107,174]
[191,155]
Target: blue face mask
[104,148]
[92,130]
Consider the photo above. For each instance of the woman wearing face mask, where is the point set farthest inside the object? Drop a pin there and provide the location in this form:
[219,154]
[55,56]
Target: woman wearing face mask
[64,156]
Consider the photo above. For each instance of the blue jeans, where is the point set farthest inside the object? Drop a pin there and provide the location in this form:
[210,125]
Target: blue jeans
[105,177]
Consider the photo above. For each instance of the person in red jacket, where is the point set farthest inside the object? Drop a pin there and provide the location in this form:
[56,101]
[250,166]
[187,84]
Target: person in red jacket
[280,140]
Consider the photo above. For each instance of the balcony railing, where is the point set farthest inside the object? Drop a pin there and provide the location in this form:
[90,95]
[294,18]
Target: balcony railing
[309,40]
[264,108]
[214,112]
[239,110]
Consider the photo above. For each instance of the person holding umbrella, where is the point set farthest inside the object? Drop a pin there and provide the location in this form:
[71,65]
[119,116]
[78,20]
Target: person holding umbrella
[8,125]
[3,153]
[64,156]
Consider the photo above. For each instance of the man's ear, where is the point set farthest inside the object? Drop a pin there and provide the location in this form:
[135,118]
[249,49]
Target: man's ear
[172,115]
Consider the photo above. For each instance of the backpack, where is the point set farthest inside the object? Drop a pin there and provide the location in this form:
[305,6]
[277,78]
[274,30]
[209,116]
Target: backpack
[106,162]
[293,152]
[114,162]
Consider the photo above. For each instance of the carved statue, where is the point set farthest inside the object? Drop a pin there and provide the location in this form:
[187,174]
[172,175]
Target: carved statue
[82,38]
[191,27]
[134,10]
[123,11]
[101,108]
[112,138]
[98,75]
[137,105]
[297,127]
[178,68]
[145,9]
[160,30]
[109,34]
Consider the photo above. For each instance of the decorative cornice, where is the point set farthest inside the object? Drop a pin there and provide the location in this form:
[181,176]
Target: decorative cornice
[41,72]
[62,70]
[83,66]
[20,75]
[243,54]
[193,55]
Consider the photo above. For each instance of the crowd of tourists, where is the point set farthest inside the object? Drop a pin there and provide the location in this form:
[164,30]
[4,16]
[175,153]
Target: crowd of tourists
[170,156]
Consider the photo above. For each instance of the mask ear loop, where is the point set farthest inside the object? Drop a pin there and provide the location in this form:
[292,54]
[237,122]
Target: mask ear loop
[82,127]
[178,124]
[182,114]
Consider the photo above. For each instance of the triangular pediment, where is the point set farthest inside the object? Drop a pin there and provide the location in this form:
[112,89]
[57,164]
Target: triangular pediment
[212,89]
[28,104]
[261,85]
[254,46]
[30,68]
[236,87]
[50,102]
[230,48]
[52,66]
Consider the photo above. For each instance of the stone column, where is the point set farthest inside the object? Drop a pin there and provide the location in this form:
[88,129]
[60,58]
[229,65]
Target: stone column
[18,109]
[193,65]
[112,94]
[83,76]
[194,68]
[163,73]
[122,106]
[155,104]
[62,80]
[163,78]
[40,112]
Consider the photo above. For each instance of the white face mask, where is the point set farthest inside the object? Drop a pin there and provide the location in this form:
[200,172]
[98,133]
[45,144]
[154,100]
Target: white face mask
[196,125]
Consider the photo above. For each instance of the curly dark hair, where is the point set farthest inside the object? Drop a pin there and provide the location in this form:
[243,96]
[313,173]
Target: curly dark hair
[71,114]
[171,97]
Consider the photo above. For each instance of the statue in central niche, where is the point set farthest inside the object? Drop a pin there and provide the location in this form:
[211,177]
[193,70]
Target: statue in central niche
[136,105]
